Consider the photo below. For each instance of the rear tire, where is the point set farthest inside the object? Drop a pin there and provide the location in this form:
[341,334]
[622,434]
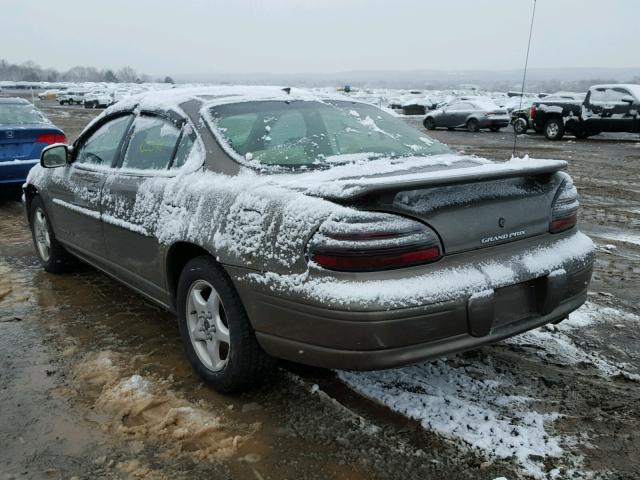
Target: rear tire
[52,255]
[429,123]
[554,129]
[216,334]
[473,125]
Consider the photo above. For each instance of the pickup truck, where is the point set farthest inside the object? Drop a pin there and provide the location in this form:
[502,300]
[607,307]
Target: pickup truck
[71,97]
[606,108]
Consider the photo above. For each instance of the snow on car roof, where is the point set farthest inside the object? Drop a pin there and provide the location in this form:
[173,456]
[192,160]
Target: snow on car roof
[633,88]
[171,99]
[484,104]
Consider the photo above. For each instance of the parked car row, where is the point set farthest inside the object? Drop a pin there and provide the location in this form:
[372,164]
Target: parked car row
[604,108]
[97,98]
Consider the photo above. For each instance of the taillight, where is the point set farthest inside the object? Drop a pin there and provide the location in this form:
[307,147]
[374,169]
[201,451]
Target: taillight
[532,113]
[373,241]
[564,211]
[51,138]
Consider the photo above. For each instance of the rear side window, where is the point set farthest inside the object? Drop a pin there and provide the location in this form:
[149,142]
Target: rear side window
[461,106]
[183,150]
[102,147]
[152,144]
[608,95]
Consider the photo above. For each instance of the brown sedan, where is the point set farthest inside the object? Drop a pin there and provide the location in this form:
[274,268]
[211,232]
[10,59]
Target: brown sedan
[277,223]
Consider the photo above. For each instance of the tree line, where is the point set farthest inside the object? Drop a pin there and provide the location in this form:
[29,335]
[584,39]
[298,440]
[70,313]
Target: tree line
[32,72]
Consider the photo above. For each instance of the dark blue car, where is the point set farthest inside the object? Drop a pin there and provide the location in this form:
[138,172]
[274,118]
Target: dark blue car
[24,132]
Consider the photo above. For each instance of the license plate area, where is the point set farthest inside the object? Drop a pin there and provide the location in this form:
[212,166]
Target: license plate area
[515,302]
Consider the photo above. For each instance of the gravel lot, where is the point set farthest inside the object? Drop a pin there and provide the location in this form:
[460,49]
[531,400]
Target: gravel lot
[93,382]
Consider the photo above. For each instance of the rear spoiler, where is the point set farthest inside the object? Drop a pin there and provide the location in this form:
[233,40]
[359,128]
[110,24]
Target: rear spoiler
[355,188]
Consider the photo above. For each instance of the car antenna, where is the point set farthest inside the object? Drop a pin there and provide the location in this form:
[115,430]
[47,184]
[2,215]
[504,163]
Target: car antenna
[524,73]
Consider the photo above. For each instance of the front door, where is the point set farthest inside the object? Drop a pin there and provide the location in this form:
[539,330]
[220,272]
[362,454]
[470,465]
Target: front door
[76,191]
[132,199]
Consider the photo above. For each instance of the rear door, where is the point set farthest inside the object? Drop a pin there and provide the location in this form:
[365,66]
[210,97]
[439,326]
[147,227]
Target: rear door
[446,118]
[156,149]
[77,191]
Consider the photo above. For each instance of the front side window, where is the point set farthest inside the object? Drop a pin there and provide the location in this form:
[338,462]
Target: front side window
[312,133]
[152,144]
[101,148]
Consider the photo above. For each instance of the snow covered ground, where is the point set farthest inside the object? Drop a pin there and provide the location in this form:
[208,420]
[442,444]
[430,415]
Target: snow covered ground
[478,405]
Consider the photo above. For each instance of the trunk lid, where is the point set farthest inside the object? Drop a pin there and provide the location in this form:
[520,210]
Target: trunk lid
[19,142]
[471,203]
[477,215]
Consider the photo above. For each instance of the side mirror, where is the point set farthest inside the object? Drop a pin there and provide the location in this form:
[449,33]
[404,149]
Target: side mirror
[628,99]
[56,155]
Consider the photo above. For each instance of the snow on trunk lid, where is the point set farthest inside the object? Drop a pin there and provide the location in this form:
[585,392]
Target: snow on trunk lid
[477,215]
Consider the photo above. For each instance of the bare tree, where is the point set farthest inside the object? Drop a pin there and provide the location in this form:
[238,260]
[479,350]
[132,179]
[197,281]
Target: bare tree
[127,75]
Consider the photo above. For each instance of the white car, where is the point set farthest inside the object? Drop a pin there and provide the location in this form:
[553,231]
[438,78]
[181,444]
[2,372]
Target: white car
[98,99]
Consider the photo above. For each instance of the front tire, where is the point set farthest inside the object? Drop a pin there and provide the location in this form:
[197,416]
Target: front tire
[473,125]
[52,255]
[520,126]
[215,330]
[554,129]
[429,123]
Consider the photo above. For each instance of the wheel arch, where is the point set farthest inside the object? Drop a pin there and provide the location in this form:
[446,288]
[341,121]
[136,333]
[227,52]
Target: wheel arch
[30,192]
[176,257]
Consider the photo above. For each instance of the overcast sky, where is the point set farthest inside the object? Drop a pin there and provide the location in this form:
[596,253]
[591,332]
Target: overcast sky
[182,37]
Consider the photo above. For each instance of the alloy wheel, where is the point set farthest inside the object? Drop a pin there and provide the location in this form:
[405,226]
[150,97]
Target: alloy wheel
[41,234]
[208,327]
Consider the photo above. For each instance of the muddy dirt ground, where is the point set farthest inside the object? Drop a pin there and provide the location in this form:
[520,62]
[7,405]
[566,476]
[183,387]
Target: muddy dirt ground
[93,382]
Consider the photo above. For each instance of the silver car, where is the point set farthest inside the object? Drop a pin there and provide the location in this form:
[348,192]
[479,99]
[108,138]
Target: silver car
[470,114]
[279,224]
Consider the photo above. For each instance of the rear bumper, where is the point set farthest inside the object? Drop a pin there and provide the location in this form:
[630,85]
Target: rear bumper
[15,172]
[317,330]
[345,359]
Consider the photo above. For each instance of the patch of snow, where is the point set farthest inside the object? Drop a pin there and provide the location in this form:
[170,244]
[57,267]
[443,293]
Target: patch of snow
[447,399]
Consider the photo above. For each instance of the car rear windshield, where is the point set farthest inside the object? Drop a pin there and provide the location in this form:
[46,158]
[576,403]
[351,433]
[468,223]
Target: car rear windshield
[12,114]
[314,133]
